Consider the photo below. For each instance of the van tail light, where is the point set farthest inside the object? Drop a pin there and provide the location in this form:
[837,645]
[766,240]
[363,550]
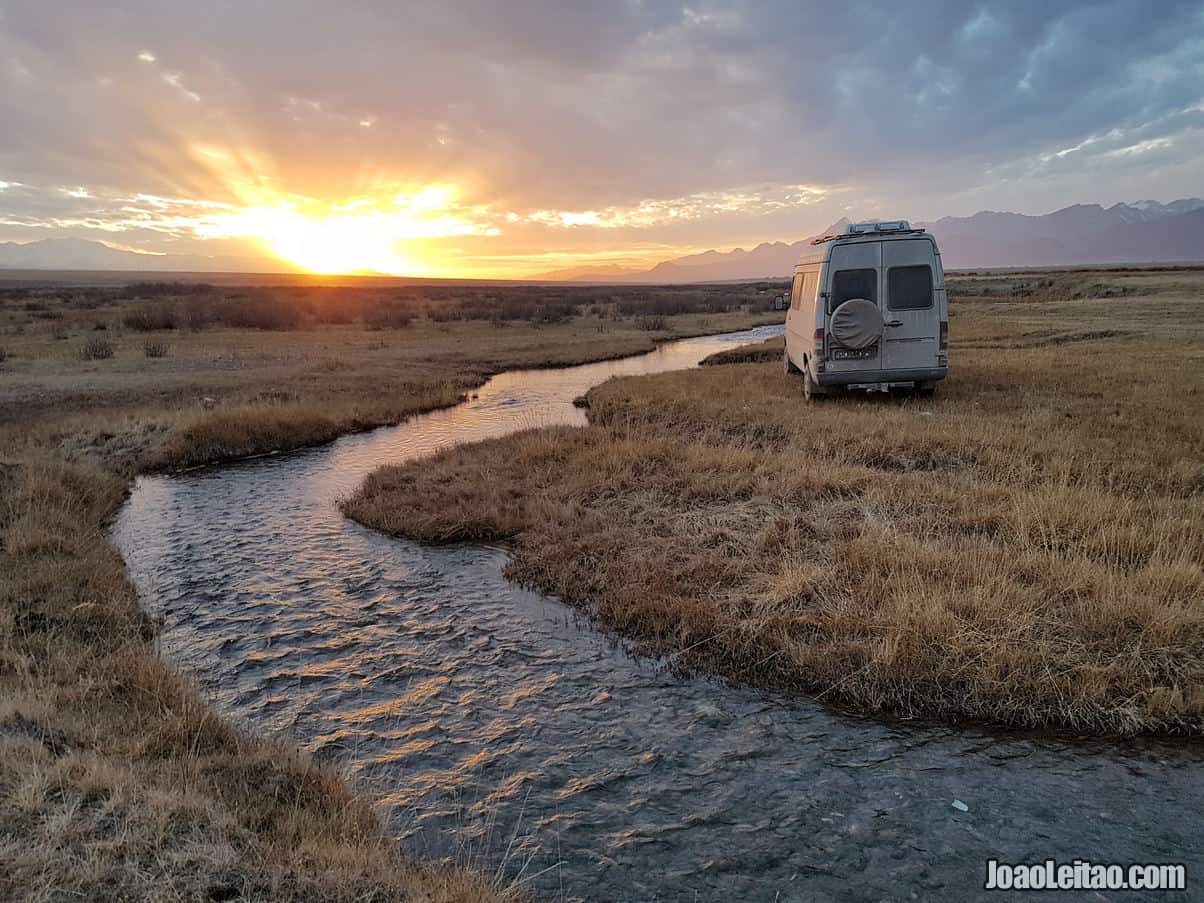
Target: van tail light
[944,335]
[819,343]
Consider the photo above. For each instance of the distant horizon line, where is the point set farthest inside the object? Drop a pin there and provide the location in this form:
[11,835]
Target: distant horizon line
[9,276]
[627,273]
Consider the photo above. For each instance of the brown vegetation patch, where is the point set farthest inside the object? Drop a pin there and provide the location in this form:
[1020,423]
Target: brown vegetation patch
[769,350]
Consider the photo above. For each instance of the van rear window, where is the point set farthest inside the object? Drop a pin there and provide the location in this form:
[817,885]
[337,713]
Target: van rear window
[909,288]
[848,284]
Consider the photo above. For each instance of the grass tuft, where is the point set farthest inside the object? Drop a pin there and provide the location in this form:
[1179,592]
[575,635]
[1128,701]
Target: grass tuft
[96,350]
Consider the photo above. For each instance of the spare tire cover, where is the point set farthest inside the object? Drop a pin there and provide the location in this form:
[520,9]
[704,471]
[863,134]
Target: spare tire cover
[857,323]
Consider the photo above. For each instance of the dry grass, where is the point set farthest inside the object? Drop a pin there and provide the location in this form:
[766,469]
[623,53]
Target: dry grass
[116,779]
[1026,548]
[96,350]
[769,350]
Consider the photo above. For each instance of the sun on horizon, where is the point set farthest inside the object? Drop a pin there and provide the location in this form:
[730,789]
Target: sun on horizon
[379,234]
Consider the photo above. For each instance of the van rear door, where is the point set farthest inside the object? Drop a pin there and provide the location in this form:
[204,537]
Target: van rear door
[854,272]
[909,283]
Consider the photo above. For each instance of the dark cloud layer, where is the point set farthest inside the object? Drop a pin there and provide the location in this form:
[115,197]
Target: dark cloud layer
[936,105]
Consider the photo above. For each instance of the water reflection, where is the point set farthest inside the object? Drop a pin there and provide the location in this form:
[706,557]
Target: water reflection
[495,725]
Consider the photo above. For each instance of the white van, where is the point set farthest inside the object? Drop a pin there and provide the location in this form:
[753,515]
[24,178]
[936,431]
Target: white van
[868,310]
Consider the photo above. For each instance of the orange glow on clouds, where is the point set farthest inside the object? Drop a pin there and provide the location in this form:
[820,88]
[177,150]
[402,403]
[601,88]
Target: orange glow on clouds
[382,229]
[362,235]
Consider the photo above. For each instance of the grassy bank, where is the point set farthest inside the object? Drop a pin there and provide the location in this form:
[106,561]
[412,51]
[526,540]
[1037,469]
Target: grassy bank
[768,351]
[116,779]
[1026,548]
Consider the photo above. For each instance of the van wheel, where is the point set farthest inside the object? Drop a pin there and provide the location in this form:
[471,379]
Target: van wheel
[787,363]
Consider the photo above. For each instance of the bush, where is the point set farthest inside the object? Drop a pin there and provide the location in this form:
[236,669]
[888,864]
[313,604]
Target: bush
[151,318]
[671,302]
[332,306]
[447,314]
[96,350]
[197,313]
[259,311]
[166,289]
[155,349]
[87,298]
[651,324]
[391,316]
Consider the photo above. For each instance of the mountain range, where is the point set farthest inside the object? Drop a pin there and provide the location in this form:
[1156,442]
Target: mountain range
[1140,232]
[81,254]
[1088,234]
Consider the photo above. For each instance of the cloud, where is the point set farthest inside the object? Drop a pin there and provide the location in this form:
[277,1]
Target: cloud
[651,213]
[588,123]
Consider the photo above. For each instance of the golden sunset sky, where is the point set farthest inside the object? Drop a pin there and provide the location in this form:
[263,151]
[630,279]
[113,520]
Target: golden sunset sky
[509,140]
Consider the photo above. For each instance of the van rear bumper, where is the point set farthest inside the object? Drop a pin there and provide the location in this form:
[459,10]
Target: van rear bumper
[848,377]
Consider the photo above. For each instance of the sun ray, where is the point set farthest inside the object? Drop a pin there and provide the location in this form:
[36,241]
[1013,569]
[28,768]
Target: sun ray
[378,232]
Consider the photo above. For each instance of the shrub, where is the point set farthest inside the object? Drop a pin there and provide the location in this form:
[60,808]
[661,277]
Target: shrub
[166,289]
[670,302]
[534,305]
[390,316]
[96,350]
[197,313]
[447,314]
[151,318]
[259,311]
[155,349]
[331,306]
[651,324]
[87,298]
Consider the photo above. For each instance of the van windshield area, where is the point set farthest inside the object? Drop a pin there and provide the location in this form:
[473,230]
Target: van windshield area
[847,284]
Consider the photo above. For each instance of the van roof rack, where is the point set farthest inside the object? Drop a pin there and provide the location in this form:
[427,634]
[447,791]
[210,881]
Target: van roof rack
[853,230]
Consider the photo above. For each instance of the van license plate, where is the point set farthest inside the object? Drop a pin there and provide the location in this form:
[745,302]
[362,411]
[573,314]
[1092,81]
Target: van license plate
[854,354]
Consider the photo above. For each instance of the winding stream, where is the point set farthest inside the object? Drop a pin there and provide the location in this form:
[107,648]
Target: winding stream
[502,730]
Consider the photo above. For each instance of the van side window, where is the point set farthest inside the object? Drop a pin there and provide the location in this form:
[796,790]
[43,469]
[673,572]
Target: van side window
[909,288]
[796,291]
[847,284]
